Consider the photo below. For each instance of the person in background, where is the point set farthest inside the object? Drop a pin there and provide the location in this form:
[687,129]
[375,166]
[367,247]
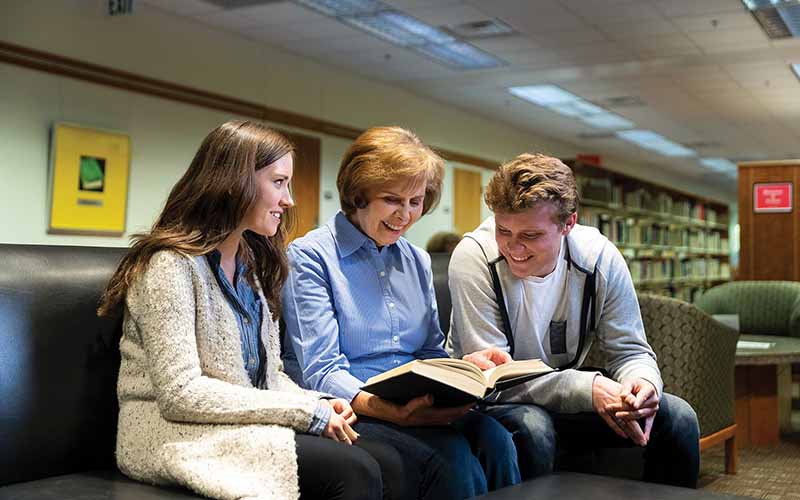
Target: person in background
[203,400]
[443,242]
[359,301]
[531,283]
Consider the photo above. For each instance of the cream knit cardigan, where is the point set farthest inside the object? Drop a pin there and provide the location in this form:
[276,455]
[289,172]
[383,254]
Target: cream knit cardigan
[188,412]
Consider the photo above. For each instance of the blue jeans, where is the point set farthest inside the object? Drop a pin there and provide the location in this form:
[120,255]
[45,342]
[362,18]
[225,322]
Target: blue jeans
[672,456]
[473,455]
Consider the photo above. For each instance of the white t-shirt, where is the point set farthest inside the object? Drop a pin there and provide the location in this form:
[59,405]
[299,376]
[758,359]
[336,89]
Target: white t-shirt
[539,304]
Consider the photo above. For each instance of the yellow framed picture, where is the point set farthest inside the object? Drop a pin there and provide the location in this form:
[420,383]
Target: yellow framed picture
[88,181]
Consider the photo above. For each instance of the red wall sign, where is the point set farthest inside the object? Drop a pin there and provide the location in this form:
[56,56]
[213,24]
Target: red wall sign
[772,197]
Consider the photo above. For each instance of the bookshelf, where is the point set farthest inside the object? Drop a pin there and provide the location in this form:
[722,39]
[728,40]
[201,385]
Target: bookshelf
[675,243]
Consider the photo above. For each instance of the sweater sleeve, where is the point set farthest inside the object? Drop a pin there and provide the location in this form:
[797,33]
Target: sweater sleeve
[620,327]
[162,304]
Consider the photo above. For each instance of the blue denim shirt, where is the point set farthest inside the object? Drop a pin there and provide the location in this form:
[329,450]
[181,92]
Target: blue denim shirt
[353,311]
[246,306]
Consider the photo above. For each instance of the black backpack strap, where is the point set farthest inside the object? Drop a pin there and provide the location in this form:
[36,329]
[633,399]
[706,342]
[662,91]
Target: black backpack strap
[498,292]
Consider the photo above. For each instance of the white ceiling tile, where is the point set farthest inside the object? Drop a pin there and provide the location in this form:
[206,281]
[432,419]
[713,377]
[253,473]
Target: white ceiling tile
[503,44]
[598,12]
[713,22]
[565,38]
[184,7]
[645,29]
[729,36]
[542,16]
[678,8]
[270,14]
[533,58]
[318,30]
[226,20]
[665,46]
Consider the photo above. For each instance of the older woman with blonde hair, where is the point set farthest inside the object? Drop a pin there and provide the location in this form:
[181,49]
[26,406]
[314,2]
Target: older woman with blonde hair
[359,301]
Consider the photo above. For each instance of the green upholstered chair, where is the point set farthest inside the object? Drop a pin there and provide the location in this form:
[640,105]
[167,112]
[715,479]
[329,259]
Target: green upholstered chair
[696,356]
[764,307]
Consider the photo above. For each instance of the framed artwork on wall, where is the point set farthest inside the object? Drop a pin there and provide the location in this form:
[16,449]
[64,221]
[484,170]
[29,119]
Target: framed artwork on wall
[88,189]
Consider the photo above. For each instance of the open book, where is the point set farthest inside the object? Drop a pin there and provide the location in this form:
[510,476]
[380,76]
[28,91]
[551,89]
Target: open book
[452,382]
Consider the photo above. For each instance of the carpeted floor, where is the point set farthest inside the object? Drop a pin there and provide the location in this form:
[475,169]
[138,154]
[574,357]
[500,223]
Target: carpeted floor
[771,473]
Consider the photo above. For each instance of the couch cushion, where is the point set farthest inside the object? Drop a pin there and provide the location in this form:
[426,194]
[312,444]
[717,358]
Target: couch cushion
[94,485]
[58,361]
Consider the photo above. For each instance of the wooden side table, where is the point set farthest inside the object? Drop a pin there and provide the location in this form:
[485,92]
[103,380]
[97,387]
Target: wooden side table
[763,389]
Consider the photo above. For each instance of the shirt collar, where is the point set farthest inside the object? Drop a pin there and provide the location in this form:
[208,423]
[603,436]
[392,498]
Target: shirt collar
[349,238]
[214,258]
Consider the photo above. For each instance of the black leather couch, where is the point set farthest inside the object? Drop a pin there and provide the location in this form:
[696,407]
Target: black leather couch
[58,374]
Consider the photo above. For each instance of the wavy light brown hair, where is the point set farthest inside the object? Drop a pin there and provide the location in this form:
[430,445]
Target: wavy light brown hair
[529,180]
[387,155]
[207,204]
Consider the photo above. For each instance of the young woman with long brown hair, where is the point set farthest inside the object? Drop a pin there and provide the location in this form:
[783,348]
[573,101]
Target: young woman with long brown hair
[204,402]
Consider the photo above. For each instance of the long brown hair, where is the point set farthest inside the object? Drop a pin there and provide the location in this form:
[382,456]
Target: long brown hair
[207,204]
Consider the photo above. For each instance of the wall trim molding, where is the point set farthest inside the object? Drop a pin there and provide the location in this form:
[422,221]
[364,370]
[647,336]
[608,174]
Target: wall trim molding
[103,75]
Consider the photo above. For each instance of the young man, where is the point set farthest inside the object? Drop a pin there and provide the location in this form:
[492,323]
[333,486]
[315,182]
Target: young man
[534,284]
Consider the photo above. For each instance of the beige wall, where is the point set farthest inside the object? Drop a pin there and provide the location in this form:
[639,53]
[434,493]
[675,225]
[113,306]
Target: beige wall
[165,134]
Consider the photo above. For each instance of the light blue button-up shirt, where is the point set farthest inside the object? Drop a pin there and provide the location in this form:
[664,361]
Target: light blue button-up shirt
[353,311]
[247,308]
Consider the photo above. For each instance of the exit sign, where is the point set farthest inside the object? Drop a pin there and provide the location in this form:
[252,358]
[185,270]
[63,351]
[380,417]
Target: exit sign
[772,197]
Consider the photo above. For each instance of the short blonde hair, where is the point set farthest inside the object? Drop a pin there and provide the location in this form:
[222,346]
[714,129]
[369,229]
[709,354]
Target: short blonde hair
[530,180]
[385,155]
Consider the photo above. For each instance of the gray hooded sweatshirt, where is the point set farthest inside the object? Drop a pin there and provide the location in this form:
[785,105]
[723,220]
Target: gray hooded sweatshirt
[477,322]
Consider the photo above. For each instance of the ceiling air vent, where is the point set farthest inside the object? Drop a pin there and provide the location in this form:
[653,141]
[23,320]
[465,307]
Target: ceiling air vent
[481,29]
[778,18]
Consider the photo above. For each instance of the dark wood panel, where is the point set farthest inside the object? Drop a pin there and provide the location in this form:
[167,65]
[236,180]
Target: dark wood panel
[769,248]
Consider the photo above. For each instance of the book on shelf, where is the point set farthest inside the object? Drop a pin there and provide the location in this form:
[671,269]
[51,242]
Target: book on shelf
[451,382]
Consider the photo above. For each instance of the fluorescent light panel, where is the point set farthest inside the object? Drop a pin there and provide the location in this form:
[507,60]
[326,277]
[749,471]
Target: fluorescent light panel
[384,22]
[796,69]
[558,100]
[339,8]
[652,141]
[722,165]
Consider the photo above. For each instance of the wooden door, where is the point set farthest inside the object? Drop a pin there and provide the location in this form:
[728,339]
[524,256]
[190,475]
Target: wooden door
[305,184]
[466,200]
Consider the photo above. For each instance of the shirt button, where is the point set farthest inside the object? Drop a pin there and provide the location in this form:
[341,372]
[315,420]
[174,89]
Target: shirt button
[391,305]
[246,321]
[383,273]
[251,362]
[396,338]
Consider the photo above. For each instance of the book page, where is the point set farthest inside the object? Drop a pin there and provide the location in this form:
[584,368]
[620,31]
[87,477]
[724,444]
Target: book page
[515,369]
[461,366]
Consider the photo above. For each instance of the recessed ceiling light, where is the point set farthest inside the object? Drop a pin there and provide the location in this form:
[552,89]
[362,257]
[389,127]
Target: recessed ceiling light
[460,55]
[385,22]
[722,165]
[338,8]
[558,100]
[652,141]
